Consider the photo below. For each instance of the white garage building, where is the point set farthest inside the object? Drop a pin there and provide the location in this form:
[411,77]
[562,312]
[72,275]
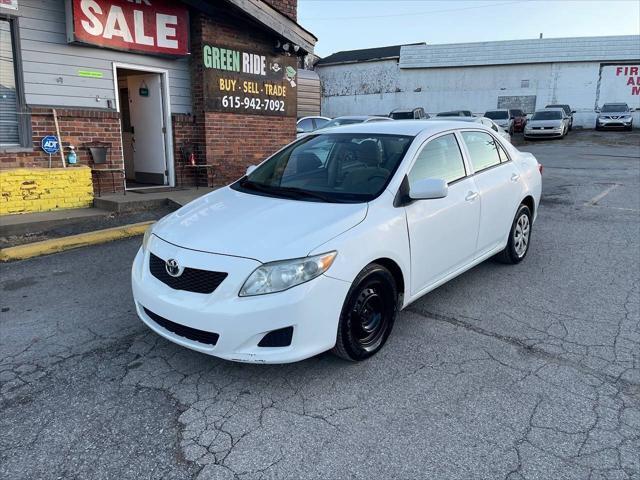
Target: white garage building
[582,72]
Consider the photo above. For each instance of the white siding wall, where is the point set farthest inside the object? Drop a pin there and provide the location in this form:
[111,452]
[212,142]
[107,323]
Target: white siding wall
[51,65]
[379,87]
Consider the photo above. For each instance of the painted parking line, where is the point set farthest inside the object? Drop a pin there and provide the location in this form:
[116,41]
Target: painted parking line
[602,194]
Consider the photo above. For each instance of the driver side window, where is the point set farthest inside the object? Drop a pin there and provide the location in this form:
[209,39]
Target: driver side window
[439,158]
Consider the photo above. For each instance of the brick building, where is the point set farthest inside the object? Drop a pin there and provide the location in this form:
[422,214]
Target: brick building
[147,83]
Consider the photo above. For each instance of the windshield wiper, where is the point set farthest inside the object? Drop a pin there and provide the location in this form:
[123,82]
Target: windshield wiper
[288,192]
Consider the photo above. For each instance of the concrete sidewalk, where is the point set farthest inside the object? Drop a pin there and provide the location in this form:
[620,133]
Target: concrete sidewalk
[105,206]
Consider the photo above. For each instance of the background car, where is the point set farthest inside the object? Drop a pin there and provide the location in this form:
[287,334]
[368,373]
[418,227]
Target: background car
[353,119]
[417,113]
[487,122]
[614,115]
[502,118]
[456,113]
[549,122]
[567,111]
[519,119]
[309,124]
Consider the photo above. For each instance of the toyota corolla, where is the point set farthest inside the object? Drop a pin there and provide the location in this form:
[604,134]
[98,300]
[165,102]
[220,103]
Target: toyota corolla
[321,245]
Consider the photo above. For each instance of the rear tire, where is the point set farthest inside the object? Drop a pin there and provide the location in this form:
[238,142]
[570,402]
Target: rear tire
[519,238]
[368,314]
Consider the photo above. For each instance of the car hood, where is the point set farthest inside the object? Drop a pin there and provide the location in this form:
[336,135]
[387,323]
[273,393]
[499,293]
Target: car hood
[235,223]
[544,123]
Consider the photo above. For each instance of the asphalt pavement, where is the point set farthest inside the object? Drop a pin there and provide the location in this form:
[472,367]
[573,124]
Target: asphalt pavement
[509,372]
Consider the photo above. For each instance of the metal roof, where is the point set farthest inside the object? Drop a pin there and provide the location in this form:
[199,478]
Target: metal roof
[364,55]
[544,50]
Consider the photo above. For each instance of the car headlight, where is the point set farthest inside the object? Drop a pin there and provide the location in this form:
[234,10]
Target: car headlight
[278,276]
[147,236]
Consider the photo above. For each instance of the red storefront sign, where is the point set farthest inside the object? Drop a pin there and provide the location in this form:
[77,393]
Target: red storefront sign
[146,26]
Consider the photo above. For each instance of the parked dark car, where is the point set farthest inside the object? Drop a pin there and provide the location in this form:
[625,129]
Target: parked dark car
[455,113]
[417,113]
[519,119]
[567,110]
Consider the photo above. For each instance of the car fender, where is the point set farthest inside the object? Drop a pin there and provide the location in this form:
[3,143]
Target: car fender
[383,234]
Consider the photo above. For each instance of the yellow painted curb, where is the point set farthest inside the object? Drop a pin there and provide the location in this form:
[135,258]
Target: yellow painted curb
[55,245]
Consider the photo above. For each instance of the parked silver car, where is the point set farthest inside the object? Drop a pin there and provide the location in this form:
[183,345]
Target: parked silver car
[614,115]
[502,118]
[550,122]
[487,122]
[352,119]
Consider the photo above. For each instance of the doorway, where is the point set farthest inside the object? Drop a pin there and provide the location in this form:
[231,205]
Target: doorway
[146,139]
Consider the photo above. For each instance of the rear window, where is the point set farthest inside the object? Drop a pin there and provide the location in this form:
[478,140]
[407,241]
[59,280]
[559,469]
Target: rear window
[566,108]
[552,115]
[496,115]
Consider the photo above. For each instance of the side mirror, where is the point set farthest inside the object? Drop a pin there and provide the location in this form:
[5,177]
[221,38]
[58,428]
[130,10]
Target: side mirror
[250,169]
[299,130]
[429,188]
[573,111]
[597,110]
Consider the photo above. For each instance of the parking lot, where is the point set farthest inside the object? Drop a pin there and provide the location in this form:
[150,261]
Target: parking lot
[516,372]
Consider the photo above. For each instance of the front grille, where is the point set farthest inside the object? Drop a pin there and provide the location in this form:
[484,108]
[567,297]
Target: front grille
[208,338]
[191,280]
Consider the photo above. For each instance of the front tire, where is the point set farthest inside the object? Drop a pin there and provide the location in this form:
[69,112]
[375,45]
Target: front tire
[519,238]
[368,314]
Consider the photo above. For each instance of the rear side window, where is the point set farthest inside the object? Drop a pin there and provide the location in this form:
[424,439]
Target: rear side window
[483,150]
[306,125]
[440,158]
[502,152]
[320,122]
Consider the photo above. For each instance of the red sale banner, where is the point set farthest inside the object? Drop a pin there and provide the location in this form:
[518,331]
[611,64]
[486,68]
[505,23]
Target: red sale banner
[149,26]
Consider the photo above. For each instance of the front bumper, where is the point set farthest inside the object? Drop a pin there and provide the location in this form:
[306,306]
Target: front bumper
[312,309]
[613,122]
[542,133]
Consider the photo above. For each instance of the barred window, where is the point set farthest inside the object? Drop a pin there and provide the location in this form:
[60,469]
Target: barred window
[9,121]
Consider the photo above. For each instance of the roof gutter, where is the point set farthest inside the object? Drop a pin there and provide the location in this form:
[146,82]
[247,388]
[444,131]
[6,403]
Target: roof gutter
[266,16]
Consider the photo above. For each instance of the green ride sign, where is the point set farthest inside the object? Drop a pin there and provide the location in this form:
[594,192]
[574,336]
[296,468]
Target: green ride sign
[253,83]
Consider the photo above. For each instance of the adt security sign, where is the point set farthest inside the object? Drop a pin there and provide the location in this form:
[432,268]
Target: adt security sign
[50,144]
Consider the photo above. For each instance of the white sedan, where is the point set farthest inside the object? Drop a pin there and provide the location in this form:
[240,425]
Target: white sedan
[323,243]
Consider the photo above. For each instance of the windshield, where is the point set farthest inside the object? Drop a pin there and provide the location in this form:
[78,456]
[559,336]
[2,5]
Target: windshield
[615,107]
[336,122]
[402,115]
[497,115]
[552,115]
[334,167]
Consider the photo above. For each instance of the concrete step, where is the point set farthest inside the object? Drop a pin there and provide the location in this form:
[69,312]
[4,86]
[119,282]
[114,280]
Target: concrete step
[136,202]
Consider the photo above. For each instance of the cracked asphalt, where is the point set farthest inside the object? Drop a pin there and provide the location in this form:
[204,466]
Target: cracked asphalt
[525,372]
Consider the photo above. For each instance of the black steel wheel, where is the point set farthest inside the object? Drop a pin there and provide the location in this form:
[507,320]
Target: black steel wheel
[367,315]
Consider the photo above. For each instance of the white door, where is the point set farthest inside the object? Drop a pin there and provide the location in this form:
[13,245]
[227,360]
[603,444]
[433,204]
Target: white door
[498,181]
[443,231]
[147,122]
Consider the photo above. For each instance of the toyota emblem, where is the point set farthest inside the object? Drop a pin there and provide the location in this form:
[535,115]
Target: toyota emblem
[173,268]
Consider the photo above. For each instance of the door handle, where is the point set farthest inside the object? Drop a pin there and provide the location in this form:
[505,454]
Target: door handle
[515,177]
[471,196]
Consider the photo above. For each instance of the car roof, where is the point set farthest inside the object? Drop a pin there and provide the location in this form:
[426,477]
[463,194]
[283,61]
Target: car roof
[406,127]
[357,117]
[399,110]
[454,118]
